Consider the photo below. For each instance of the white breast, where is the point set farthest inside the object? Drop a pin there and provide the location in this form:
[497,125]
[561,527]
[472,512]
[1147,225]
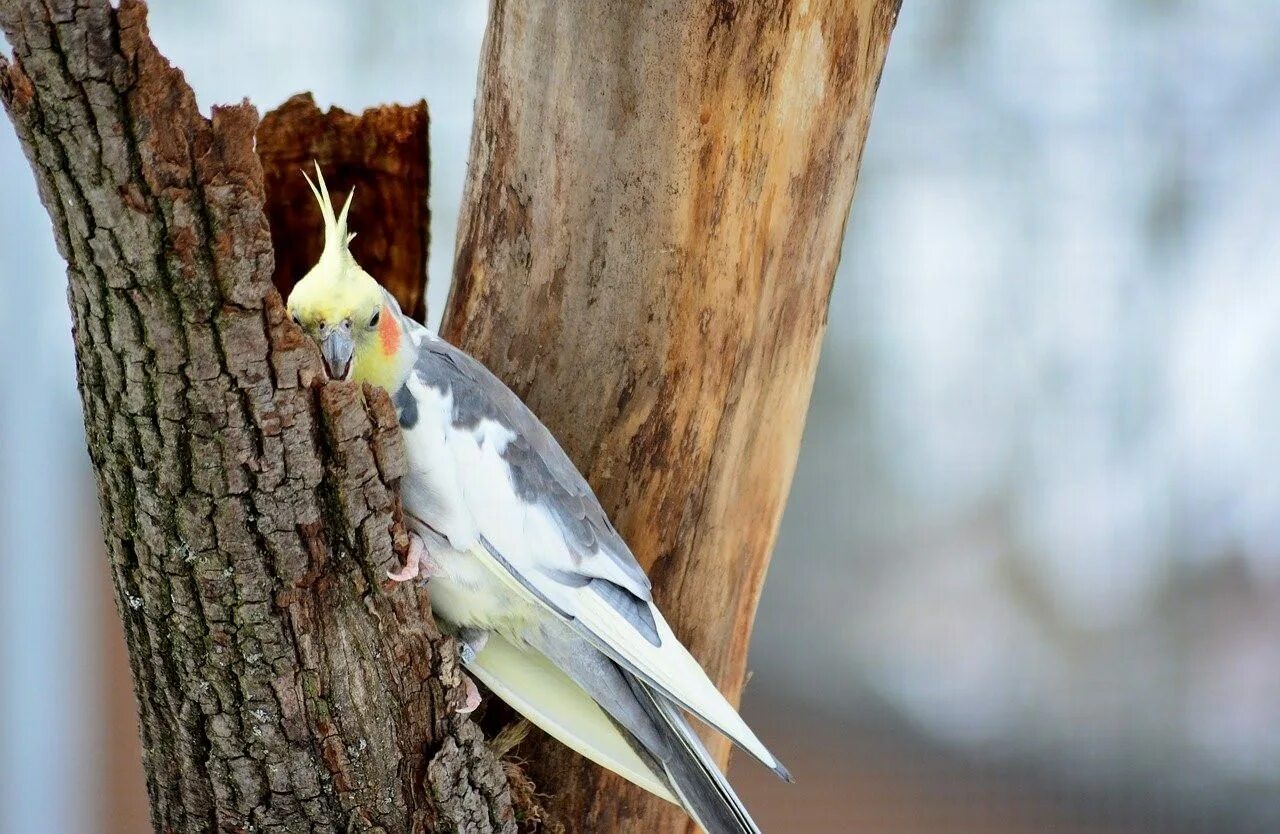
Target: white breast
[432,491]
[439,509]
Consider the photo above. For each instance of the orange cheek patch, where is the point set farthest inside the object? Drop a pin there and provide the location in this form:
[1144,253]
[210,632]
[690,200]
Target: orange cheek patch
[388,333]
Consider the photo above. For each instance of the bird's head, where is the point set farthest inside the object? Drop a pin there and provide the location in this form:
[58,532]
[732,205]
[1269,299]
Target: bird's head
[358,325]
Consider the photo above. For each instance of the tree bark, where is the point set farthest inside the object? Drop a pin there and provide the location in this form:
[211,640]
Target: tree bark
[249,511]
[652,220]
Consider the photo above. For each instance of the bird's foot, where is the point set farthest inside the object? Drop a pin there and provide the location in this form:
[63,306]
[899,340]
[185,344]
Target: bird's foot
[473,696]
[470,643]
[417,562]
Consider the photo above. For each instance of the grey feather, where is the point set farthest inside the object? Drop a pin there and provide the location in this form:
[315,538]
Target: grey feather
[693,776]
[541,472]
[629,668]
[636,610]
[406,407]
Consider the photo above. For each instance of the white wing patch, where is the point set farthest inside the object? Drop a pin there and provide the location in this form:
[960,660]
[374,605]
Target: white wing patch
[668,667]
[492,433]
[433,487]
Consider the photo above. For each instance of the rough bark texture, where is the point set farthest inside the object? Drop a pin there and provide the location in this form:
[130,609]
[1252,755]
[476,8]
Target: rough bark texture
[652,221]
[383,155]
[249,512]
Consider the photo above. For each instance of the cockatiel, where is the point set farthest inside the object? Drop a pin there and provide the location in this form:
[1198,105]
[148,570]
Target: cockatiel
[551,609]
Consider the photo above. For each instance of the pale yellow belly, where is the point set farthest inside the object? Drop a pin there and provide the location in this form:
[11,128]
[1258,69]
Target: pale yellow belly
[466,594]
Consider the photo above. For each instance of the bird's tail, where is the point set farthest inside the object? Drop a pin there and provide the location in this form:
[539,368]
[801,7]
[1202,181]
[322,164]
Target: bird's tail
[692,776]
[633,728]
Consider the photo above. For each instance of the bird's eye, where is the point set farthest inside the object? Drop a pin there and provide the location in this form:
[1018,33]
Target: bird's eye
[377,314]
[297,320]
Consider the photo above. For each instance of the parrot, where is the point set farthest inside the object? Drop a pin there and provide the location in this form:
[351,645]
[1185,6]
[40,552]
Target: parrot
[551,611]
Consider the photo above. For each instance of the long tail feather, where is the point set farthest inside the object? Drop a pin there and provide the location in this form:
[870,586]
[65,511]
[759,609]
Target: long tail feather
[656,729]
[703,790]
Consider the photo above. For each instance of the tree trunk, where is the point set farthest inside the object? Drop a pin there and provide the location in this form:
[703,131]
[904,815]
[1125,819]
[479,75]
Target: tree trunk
[651,225]
[249,511]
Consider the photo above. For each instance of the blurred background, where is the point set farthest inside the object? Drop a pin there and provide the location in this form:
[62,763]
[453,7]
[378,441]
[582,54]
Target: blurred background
[1029,576]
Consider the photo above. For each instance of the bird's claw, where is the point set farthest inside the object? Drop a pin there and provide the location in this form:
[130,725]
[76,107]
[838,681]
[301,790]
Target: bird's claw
[414,563]
[470,643]
[473,696]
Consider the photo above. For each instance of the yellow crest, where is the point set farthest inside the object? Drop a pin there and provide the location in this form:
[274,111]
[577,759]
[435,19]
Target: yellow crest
[336,238]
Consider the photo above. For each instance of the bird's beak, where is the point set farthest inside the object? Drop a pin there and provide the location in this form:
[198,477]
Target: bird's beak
[336,347]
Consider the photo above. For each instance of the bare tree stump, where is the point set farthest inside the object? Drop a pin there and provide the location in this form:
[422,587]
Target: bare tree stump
[383,155]
[249,512]
[652,220]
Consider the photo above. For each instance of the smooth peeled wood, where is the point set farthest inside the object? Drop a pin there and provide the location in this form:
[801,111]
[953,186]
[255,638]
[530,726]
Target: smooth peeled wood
[652,221]
[249,512]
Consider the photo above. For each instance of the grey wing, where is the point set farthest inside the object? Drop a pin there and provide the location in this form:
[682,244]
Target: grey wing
[543,474]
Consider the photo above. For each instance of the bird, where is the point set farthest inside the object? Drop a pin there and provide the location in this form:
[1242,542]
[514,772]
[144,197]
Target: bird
[551,610]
